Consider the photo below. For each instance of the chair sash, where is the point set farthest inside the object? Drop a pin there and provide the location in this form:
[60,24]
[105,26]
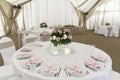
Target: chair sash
[29,40]
[6,44]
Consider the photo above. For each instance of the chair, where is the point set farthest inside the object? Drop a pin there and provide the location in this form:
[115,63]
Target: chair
[7,49]
[6,72]
[30,38]
[44,36]
[114,75]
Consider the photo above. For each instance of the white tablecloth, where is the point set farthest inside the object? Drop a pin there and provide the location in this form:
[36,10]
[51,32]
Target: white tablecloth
[80,53]
[107,31]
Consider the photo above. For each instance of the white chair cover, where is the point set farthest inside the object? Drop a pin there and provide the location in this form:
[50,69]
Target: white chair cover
[114,75]
[7,49]
[44,36]
[6,72]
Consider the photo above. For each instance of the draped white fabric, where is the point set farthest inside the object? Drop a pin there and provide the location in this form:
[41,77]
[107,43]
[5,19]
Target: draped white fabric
[1,24]
[107,12]
[53,12]
[84,5]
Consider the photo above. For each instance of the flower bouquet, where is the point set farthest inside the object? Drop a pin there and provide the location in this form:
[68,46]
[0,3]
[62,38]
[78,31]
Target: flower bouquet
[60,38]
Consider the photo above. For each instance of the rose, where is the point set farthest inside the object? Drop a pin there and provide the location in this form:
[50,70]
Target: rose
[60,32]
[69,37]
[55,31]
[66,30]
[58,39]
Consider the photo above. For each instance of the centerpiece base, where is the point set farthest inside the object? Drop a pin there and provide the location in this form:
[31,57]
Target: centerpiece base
[61,49]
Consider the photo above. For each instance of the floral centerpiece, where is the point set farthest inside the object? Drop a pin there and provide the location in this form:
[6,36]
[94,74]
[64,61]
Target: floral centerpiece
[61,36]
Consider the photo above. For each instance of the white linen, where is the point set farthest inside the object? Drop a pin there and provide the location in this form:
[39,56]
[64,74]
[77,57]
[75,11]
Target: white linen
[101,30]
[114,75]
[80,53]
[7,52]
[107,31]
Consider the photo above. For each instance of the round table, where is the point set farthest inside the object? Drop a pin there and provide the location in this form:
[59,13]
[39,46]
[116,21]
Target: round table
[79,53]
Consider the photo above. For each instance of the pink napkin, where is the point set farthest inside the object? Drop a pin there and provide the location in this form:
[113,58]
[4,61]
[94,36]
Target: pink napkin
[35,61]
[50,69]
[99,57]
[24,55]
[26,49]
[94,65]
[75,69]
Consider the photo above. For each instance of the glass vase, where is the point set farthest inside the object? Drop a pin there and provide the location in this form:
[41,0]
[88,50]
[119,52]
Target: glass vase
[60,49]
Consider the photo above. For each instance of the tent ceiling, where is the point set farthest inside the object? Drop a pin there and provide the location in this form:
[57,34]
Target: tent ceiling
[18,2]
[85,5]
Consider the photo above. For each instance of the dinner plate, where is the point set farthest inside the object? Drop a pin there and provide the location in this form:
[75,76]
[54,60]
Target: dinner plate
[94,65]
[24,55]
[76,70]
[26,49]
[49,70]
[99,57]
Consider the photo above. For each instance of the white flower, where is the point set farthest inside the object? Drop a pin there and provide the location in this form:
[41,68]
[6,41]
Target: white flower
[54,37]
[65,36]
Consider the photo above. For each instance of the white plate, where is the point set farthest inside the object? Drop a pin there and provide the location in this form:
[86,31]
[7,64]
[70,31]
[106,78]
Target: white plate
[25,49]
[49,70]
[78,71]
[24,55]
[94,65]
[99,57]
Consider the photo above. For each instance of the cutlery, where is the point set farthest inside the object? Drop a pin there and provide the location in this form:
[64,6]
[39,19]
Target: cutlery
[69,74]
[58,72]
[66,72]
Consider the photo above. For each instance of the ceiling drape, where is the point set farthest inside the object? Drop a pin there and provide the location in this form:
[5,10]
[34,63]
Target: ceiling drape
[85,9]
[10,14]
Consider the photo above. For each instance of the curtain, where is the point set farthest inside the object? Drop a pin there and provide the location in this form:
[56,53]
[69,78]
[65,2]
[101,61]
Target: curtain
[53,12]
[10,14]
[106,13]
[1,24]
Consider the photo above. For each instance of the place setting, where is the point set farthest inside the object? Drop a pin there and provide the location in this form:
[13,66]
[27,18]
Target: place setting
[51,70]
[25,49]
[99,57]
[31,64]
[94,65]
[75,70]
[24,55]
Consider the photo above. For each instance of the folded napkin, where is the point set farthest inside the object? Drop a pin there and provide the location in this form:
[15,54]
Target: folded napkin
[50,69]
[24,55]
[25,49]
[76,70]
[94,65]
[27,64]
[99,57]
